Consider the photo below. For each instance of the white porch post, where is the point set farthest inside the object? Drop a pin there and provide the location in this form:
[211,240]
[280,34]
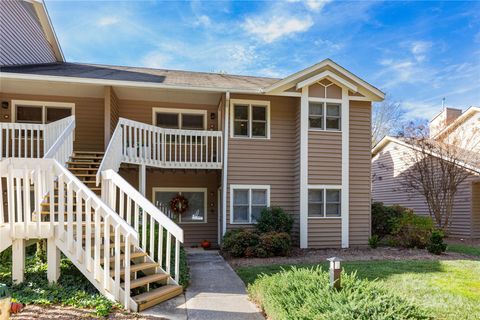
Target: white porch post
[304,168]
[53,261]
[18,260]
[225,162]
[142,179]
[345,167]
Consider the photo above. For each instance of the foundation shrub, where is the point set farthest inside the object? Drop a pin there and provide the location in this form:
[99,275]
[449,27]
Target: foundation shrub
[274,219]
[275,243]
[412,231]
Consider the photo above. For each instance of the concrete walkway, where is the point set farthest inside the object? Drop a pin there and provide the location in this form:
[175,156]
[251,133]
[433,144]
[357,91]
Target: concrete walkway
[215,292]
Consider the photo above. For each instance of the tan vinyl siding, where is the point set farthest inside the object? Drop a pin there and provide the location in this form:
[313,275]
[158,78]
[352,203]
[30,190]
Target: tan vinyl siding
[89,113]
[476,209]
[388,173]
[114,110]
[142,110]
[324,233]
[360,176]
[194,233]
[268,162]
[21,37]
[318,91]
[111,113]
[324,157]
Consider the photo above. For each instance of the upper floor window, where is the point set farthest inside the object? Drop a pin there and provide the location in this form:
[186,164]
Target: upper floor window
[324,116]
[40,112]
[180,118]
[250,119]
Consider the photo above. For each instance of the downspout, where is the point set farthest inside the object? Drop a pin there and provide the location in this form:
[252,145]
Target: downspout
[225,163]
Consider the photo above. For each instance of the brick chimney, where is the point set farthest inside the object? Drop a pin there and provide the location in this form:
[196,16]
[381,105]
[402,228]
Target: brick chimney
[443,119]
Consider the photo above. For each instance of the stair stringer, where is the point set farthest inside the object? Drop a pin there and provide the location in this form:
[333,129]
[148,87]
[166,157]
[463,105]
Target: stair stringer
[98,283]
[5,236]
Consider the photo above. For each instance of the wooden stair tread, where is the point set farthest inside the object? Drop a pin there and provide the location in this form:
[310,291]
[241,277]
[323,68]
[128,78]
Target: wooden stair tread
[88,152]
[156,277]
[133,255]
[82,169]
[153,297]
[137,267]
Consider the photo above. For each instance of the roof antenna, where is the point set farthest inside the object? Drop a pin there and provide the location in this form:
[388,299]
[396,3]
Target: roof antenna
[443,103]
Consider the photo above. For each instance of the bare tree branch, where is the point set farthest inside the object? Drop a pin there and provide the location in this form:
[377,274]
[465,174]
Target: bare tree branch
[386,119]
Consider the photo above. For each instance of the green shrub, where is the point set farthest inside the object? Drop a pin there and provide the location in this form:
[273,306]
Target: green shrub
[411,230]
[373,241]
[274,219]
[236,242]
[383,218]
[436,245]
[306,294]
[275,244]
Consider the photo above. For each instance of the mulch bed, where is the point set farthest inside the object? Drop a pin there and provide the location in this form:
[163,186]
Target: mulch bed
[70,313]
[311,256]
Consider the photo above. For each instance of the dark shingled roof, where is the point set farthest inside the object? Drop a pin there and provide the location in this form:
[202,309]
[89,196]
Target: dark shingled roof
[161,76]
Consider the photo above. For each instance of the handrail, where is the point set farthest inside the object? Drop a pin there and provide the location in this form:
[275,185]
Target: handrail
[145,144]
[146,219]
[63,130]
[144,204]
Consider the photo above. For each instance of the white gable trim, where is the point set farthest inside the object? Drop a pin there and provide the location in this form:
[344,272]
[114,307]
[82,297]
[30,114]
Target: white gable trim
[331,76]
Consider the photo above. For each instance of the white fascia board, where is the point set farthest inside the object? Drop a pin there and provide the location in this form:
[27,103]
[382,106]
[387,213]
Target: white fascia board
[331,76]
[47,27]
[457,122]
[120,83]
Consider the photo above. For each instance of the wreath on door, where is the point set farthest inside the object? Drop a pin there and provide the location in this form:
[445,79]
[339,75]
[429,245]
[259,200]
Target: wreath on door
[179,204]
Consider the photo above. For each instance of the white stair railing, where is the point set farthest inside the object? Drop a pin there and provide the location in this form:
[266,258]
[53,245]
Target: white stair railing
[27,140]
[82,224]
[147,220]
[143,144]
[59,137]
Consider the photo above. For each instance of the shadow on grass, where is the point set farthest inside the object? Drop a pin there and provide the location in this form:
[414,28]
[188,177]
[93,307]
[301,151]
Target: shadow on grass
[365,269]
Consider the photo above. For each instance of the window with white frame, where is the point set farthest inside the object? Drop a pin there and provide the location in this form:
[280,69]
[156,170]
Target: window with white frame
[250,119]
[247,202]
[324,116]
[324,203]
[197,202]
[180,118]
[40,112]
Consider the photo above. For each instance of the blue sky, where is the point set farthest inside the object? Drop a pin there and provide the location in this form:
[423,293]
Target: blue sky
[418,52]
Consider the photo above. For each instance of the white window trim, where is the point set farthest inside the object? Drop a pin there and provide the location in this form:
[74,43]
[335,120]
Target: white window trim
[324,110]
[43,104]
[247,187]
[262,103]
[180,112]
[180,190]
[326,187]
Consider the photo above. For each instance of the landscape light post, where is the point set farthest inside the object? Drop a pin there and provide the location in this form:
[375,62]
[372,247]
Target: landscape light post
[335,272]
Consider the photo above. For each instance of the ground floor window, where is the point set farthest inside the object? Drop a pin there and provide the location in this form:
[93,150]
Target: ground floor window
[197,202]
[40,112]
[247,202]
[324,202]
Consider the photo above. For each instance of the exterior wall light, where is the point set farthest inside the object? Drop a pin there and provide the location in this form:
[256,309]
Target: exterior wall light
[335,272]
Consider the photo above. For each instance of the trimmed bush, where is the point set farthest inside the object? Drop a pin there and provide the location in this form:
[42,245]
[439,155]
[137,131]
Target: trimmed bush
[383,218]
[436,245]
[275,244]
[236,242]
[306,294]
[274,219]
[373,241]
[411,230]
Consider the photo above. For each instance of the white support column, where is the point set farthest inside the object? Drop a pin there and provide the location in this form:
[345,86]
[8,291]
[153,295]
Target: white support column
[53,261]
[345,167]
[304,168]
[142,179]
[18,260]
[225,162]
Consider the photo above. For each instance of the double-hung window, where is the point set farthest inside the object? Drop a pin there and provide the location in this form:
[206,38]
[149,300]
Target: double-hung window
[247,202]
[324,116]
[324,203]
[40,112]
[250,119]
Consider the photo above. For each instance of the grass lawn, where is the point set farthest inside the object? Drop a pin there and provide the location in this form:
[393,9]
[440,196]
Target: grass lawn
[449,289]
[465,249]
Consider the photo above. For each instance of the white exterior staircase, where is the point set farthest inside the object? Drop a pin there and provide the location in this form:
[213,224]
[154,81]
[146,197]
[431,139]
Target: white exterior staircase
[125,246]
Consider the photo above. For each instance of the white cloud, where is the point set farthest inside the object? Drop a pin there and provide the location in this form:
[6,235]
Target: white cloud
[276,27]
[155,59]
[419,49]
[329,45]
[316,5]
[107,21]
[203,20]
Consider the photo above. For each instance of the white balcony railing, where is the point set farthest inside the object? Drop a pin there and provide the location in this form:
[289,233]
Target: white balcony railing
[140,143]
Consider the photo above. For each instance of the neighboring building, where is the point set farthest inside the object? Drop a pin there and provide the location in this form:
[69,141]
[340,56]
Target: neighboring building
[230,144]
[391,161]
